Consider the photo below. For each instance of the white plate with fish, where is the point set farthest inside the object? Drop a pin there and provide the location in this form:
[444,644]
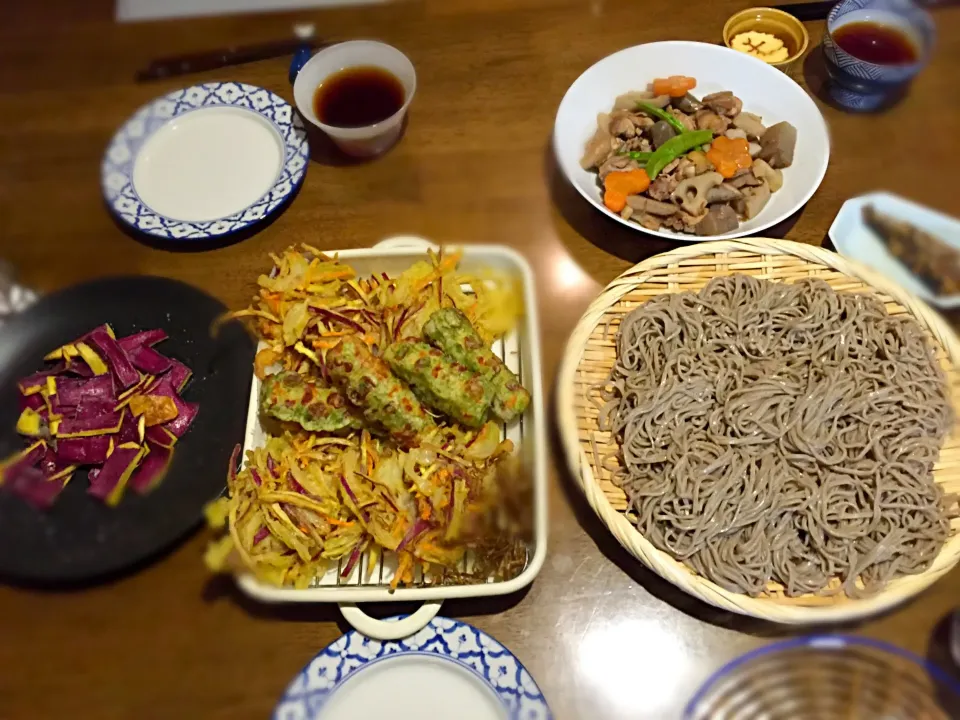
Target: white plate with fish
[205,161]
[929,242]
[757,89]
[447,669]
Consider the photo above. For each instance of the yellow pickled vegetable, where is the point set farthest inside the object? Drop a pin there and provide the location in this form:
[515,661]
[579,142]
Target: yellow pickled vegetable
[765,46]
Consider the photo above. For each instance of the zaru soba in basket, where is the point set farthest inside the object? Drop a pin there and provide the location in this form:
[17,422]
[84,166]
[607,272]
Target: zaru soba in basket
[770,427]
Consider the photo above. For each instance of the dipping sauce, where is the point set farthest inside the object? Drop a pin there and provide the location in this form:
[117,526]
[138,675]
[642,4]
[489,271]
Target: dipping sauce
[878,44]
[358,97]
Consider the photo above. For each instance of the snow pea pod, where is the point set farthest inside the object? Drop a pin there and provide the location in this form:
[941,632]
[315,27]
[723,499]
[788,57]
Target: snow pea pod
[674,148]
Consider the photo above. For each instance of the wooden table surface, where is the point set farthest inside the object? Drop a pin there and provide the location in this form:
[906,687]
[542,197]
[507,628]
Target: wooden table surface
[603,637]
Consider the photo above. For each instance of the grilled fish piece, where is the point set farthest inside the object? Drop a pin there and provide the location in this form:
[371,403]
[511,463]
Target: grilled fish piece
[929,258]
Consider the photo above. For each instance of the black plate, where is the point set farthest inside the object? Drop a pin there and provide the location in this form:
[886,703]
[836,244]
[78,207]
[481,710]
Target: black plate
[81,539]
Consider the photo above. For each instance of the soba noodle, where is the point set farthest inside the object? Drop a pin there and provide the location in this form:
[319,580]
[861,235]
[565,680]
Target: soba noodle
[780,432]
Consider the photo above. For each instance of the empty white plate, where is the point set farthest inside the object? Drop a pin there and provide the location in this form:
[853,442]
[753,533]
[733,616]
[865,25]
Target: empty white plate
[448,669]
[852,238]
[205,161]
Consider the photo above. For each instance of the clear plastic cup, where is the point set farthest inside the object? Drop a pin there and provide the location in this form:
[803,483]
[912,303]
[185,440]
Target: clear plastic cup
[358,141]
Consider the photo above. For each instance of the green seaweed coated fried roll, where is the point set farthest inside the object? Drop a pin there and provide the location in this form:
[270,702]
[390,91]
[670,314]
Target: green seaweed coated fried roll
[367,382]
[291,397]
[451,331]
[441,382]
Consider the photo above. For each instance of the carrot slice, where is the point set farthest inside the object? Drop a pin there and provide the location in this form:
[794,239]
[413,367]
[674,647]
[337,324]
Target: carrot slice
[618,185]
[674,86]
[729,155]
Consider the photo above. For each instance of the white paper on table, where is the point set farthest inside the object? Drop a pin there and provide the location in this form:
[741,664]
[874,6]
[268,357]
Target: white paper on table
[135,10]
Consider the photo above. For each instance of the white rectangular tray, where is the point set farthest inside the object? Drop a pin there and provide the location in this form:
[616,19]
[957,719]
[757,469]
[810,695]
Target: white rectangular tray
[520,350]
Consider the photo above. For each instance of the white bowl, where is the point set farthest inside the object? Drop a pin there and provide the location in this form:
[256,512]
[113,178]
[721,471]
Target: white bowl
[357,141]
[764,90]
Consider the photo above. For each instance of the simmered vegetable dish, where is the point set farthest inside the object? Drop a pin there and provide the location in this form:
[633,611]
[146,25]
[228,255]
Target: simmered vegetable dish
[666,159]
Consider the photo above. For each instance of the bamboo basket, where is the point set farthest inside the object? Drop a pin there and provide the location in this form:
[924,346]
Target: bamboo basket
[590,355]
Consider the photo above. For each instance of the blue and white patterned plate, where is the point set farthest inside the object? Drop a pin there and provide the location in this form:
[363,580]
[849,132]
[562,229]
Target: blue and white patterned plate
[448,669]
[254,145]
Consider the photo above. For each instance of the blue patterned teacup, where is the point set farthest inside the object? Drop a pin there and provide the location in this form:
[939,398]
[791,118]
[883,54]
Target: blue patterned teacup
[861,85]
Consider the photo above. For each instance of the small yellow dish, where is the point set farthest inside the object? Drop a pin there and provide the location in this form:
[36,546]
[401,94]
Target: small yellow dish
[770,22]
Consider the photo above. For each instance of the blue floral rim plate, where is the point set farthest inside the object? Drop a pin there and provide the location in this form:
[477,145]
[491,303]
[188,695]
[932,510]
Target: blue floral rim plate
[205,161]
[448,669]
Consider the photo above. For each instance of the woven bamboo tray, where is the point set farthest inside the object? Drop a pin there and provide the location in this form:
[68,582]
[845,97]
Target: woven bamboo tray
[590,355]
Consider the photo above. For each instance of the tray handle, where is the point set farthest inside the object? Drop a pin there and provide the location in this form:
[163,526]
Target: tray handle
[405,242]
[390,629]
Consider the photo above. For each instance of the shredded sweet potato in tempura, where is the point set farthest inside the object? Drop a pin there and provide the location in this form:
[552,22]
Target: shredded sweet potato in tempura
[310,301]
[309,501]
[304,502]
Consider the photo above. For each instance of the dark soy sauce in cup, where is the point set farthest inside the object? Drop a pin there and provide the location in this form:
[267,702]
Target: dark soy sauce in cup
[878,44]
[358,97]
